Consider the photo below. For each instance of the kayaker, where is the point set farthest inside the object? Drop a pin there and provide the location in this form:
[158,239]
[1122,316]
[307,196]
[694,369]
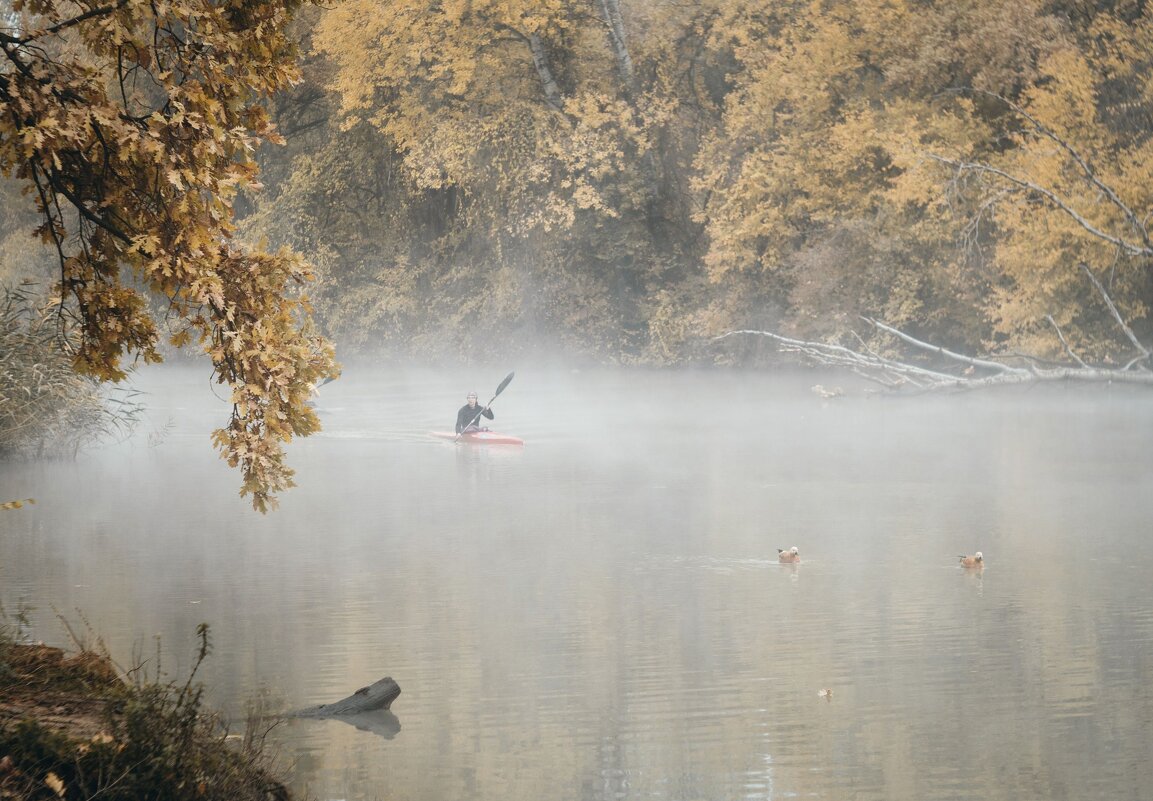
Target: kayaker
[470,413]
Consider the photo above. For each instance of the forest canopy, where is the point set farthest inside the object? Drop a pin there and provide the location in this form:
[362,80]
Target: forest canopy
[626,179]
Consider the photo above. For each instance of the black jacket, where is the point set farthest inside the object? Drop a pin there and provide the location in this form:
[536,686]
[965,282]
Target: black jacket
[467,414]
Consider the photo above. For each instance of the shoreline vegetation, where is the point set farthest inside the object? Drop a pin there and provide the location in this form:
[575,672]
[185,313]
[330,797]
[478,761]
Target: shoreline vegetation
[74,726]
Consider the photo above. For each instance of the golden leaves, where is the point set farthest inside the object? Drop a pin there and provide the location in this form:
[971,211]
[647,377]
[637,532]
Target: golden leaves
[270,363]
[153,174]
[838,139]
[462,91]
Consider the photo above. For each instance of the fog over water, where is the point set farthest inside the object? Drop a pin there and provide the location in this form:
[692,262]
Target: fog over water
[600,614]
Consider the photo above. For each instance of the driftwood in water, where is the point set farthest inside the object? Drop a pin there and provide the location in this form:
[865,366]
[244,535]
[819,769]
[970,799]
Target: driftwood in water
[376,696]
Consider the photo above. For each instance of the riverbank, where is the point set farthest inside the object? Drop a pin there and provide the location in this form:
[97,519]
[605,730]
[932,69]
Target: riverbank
[72,727]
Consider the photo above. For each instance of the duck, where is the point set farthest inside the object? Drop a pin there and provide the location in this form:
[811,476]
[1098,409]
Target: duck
[789,556]
[976,560]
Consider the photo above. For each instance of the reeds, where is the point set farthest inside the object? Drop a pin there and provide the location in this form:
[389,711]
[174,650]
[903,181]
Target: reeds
[46,408]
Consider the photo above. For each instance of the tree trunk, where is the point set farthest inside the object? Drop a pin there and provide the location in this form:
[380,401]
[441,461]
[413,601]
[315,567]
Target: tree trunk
[616,25]
[548,83]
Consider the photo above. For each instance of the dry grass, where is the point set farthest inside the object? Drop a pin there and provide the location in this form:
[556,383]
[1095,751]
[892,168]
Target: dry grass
[45,407]
[71,727]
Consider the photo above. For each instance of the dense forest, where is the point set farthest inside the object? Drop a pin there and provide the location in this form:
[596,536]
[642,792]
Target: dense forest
[627,179]
[618,181]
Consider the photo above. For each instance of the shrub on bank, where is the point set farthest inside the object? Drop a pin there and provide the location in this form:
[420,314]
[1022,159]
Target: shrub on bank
[72,728]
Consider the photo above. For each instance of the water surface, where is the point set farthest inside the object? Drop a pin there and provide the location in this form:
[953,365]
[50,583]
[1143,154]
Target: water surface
[600,614]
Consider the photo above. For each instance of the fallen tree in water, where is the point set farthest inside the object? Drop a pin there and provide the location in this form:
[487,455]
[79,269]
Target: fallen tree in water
[972,372]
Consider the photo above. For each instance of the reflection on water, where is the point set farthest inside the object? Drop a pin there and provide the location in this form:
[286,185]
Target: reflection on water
[379,721]
[600,614]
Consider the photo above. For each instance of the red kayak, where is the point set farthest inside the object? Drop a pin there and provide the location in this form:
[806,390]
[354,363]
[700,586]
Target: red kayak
[481,438]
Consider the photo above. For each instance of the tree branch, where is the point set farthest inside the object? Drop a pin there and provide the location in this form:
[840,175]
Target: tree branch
[874,368]
[1064,344]
[1089,172]
[1117,316]
[895,375]
[540,62]
[969,360]
[100,11]
[1048,194]
[616,31]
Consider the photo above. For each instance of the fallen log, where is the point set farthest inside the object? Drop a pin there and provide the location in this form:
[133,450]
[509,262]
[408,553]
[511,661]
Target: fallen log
[378,695]
[895,374]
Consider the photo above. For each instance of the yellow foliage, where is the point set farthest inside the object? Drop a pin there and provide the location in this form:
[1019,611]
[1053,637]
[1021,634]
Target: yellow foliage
[151,151]
[890,157]
[470,94]
[837,126]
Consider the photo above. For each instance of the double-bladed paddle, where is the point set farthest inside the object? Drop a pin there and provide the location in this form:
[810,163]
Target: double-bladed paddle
[480,411]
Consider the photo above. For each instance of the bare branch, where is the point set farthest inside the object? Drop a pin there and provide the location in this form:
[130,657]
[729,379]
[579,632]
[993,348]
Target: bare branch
[1116,315]
[1049,195]
[1089,172]
[871,367]
[988,365]
[100,11]
[896,375]
[1065,344]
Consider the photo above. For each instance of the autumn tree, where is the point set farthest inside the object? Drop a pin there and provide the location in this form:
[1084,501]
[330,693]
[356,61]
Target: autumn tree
[633,177]
[523,135]
[133,124]
[1068,191]
[797,173]
[944,166]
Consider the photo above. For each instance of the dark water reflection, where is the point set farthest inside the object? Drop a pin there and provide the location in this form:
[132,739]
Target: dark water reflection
[600,614]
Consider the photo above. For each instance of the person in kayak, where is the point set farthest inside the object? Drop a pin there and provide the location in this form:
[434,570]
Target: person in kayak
[470,413]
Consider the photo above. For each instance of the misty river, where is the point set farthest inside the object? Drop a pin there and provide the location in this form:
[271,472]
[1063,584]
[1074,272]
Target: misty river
[600,613]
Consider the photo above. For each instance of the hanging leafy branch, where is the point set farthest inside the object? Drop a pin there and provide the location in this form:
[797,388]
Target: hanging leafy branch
[134,124]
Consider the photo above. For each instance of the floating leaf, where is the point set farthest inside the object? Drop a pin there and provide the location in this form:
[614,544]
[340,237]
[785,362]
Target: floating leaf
[17,504]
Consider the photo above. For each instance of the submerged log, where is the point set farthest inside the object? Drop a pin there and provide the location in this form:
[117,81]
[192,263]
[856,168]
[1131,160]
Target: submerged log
[376,696]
